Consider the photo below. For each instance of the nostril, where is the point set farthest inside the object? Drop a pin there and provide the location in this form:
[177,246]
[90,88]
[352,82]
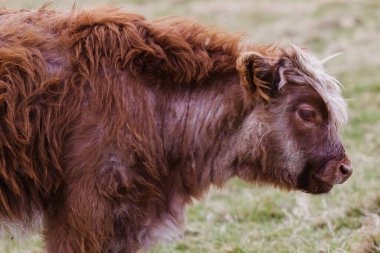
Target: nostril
[345,170]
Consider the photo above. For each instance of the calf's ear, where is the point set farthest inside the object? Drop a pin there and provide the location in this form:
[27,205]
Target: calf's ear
[259,74]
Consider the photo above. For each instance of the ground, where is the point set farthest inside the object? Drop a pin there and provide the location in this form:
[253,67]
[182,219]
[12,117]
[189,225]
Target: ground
[244,218]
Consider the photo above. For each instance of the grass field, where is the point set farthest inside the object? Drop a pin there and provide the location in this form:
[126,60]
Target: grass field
[244,218]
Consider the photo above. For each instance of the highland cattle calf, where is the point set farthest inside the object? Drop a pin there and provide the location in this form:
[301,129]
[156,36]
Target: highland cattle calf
[111,123]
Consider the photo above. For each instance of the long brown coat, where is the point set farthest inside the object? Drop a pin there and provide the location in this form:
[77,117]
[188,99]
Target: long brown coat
[110,124]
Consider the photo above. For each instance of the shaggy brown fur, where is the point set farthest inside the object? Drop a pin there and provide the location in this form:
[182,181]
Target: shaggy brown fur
[111,123]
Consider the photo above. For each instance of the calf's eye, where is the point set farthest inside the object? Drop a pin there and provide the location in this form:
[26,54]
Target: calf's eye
[307,113]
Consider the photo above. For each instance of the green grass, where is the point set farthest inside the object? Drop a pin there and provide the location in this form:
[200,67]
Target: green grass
[244,218]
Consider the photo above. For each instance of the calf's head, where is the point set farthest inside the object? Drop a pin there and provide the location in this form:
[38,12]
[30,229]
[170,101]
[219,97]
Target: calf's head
[298,111]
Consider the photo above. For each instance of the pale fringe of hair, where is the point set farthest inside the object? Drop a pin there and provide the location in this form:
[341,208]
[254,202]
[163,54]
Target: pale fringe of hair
[327,86]
[310,68]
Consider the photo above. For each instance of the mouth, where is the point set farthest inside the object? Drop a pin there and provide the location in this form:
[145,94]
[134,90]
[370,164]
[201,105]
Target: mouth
[321,177]
[321,186]
[310,182]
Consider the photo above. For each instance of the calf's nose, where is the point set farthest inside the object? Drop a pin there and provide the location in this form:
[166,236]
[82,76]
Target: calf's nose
[345,170]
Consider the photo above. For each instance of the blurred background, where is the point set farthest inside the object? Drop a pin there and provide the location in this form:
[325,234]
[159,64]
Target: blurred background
[244,218]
